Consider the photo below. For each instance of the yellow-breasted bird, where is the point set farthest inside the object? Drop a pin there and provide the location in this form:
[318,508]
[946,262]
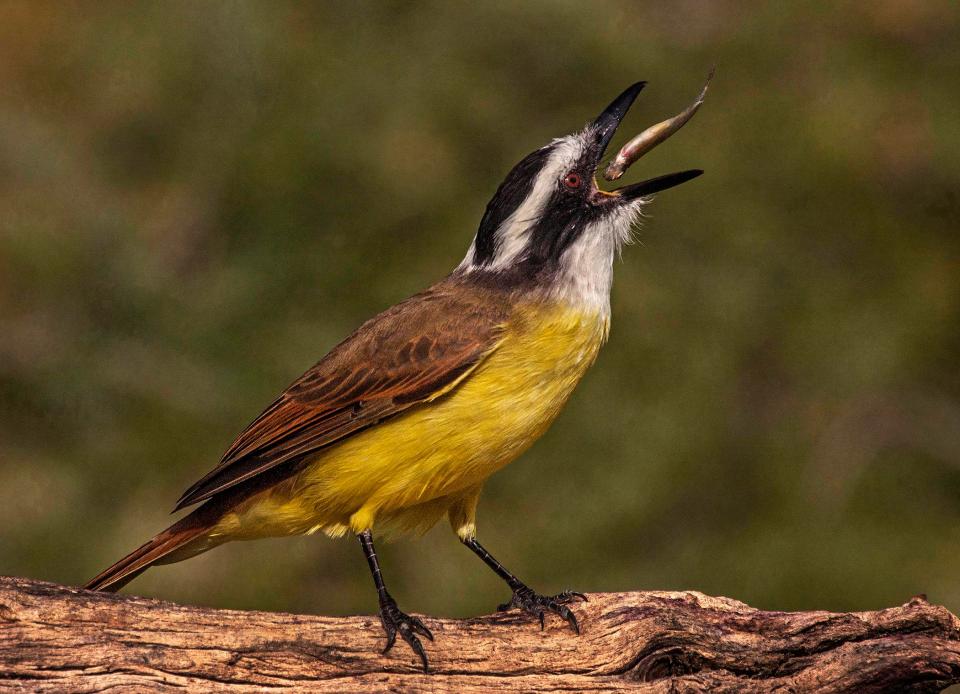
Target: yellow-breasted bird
[402,422]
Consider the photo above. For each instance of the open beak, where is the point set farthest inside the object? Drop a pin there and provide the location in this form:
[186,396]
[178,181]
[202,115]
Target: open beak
[606,125]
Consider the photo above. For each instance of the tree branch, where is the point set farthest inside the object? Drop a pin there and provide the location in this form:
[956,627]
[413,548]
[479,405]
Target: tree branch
[56,638]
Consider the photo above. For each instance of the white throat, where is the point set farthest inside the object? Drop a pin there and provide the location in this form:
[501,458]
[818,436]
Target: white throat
[586,267]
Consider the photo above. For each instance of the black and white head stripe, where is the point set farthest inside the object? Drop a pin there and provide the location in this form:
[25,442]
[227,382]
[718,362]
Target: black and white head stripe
[520,203]
[548,223]
[550,228]
[511,194]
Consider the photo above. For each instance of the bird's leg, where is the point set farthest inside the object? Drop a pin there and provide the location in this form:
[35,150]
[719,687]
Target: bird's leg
[394,621]
[523,596]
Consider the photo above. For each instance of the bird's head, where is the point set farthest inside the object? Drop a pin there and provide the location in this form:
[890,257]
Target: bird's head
[550,216]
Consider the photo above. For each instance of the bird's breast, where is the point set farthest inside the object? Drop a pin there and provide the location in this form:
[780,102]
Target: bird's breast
[546,349]
[441,448]
[516,393]
[493,415]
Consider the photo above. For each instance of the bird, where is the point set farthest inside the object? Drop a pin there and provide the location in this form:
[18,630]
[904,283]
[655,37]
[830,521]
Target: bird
[401,423]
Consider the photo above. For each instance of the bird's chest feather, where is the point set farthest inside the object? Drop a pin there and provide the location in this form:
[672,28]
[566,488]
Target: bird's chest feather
[544,353]
[445,446]
[518,391]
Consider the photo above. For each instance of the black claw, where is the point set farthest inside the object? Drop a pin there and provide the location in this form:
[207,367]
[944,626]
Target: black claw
[568,596]
[419,627]
[538,605]
[395,621]
[391,637]
[568,615]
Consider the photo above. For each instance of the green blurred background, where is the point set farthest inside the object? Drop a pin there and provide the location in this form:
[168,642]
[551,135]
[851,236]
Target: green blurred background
[197,200]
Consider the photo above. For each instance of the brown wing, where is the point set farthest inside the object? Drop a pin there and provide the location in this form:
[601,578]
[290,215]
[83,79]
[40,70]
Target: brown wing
[408,354]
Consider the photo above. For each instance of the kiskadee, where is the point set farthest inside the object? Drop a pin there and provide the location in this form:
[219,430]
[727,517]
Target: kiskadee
[402,423]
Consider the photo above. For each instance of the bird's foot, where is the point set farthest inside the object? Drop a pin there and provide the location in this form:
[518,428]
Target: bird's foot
[538,605]
[396,622]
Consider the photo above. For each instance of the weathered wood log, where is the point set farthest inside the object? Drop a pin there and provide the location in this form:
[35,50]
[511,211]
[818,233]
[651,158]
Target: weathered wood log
[57,638]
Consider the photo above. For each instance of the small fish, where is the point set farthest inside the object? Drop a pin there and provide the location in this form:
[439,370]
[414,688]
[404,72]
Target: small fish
[652,136]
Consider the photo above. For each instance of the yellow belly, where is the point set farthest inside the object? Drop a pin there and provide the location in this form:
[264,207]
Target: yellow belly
[407,471]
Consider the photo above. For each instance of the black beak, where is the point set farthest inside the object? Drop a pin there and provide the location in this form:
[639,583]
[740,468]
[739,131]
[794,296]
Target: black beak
[605,127]
[607,122]
[655,185]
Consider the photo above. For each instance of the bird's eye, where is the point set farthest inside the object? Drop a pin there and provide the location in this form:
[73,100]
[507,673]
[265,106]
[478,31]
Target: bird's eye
[572,180]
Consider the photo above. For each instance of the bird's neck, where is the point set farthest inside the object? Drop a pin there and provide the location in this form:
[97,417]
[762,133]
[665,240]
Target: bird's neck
[585,276]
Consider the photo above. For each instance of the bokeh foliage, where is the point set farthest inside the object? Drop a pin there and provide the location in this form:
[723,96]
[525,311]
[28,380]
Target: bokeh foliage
[198,199]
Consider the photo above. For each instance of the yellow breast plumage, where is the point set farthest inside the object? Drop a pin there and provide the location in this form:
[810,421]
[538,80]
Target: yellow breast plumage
[408,471]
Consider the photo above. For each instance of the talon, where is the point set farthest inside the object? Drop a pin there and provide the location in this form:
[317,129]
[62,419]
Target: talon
[421,628]
[396,621]
[571,618]
[538,605]
[391,639]
[418,649]
[569,595]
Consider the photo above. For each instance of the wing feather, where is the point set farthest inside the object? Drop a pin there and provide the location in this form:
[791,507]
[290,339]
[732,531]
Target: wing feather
[411,353]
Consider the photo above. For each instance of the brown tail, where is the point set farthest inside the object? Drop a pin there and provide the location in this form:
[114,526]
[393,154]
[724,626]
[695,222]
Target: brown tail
[159,550]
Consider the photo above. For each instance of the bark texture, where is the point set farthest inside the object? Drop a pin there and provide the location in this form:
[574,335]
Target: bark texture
[57,638]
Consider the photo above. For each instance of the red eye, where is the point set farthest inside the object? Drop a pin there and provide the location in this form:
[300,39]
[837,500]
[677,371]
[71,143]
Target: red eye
[572,180]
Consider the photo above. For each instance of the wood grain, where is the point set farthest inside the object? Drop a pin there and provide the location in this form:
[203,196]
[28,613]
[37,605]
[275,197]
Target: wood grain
[62,639]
